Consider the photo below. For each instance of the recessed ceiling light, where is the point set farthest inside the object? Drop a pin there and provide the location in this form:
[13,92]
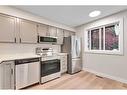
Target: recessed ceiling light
[94,13]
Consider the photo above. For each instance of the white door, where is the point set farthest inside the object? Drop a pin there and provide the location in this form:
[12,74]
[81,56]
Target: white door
[28,31]
[7,29]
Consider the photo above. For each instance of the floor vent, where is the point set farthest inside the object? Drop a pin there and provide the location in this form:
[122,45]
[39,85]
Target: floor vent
[99,76]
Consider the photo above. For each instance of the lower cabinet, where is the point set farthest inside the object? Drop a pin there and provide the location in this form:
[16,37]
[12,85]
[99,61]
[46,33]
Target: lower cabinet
[27,74]
[63,59]
[7,75]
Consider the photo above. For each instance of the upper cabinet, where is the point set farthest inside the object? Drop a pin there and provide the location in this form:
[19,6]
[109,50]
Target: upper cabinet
[42,30]
[60,32]
[28,31]
[45,30]
[52,31]
[60,35]
[66,33]
[16,30]
[72,33]
[7,28]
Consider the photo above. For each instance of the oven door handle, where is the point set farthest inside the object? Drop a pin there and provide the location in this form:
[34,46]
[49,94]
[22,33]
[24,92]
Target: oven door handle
[50,61]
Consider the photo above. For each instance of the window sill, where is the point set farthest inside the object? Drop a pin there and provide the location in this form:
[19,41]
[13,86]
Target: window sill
[107,52]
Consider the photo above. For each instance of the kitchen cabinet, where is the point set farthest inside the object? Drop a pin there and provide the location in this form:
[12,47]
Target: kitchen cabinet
[45,30]
[63,61]
[72,33]
[52,31]
[60,35]
[66,33]
[42,30]
[28,31]
[7,28]
[7,75]
[16,30]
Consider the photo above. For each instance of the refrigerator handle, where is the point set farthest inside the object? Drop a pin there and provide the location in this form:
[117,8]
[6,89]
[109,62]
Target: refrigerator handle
[76,48]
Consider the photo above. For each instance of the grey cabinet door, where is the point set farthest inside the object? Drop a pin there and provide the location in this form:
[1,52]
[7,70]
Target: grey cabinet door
[42,30]
[52,31]
[72,33]
[66,33]
[7,28]
[7,75]
[63,60]
[28,31]
[60,35]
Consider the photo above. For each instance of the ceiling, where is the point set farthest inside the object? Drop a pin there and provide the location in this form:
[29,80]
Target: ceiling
[70,15]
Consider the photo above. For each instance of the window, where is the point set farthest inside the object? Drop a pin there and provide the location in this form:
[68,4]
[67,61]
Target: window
[107,38]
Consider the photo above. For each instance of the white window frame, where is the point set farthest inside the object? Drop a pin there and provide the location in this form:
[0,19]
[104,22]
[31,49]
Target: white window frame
[119,52]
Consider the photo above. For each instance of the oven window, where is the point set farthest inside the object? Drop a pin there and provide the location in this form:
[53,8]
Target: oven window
[50,67]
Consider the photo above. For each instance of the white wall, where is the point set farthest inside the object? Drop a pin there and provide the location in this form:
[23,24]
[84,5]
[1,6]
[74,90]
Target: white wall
[10,48]
[25,15]
[111,66]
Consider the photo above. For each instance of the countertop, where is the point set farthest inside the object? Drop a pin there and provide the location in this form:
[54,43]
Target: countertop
[61,54]
[9,57]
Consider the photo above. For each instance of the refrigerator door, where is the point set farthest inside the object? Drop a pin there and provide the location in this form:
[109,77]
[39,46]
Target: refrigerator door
[78,47]
[76,65]
[75,46]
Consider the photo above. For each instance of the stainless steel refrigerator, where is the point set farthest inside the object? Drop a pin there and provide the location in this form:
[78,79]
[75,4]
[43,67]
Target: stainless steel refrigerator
[72,46]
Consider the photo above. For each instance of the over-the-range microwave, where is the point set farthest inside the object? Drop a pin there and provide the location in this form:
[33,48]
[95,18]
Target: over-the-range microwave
[42,39]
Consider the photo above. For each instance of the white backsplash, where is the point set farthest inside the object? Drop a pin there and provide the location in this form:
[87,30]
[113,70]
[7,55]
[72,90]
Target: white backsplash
[11,48]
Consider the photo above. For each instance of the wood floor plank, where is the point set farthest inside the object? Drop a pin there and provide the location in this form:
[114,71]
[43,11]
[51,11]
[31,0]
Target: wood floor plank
[81,80]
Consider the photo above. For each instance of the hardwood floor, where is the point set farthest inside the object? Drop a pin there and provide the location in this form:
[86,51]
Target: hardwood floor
[81,80]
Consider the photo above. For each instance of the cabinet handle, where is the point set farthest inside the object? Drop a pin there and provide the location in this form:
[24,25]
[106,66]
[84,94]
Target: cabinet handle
[20,40]
[12,71]
[15,40]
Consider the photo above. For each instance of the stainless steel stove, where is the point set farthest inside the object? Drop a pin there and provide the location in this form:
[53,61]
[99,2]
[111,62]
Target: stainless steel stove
[50,65]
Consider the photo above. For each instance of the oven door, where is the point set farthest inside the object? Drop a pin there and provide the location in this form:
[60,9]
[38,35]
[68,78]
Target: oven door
[50,67]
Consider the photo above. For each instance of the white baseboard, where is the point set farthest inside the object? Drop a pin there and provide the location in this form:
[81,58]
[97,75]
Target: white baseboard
[106,75]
